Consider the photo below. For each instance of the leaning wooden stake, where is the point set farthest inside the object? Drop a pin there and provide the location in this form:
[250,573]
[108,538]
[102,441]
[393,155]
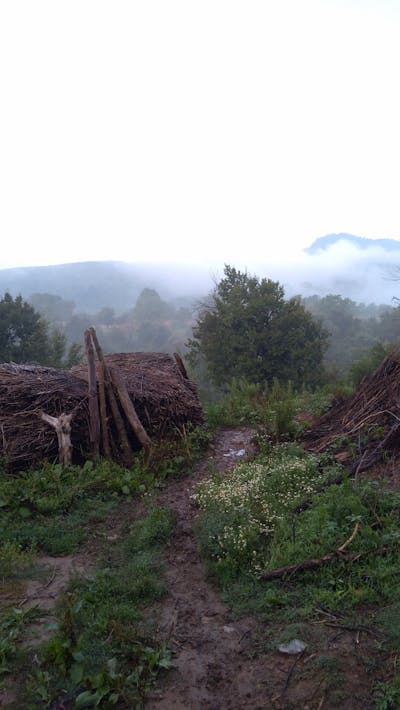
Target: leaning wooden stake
[62,425]
[94,419]
[119,423]
[103,412]
[129,409]
[181,366]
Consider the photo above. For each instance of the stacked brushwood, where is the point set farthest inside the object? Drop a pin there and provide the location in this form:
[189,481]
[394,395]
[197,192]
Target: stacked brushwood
[163,398]
[114,407]
[26,391]
[136,396]
[367,422]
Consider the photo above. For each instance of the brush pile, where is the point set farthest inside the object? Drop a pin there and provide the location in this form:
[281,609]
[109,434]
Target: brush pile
[117,405]
[25,392]
[367,423]
[163,398]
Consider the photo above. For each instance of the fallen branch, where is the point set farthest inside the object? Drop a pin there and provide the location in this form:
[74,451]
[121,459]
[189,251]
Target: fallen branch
[314,563]
[338,554]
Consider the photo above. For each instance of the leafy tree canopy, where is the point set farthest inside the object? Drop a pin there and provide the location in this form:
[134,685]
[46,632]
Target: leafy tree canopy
[150,307]
[53,308]
[25,337]
[249,330]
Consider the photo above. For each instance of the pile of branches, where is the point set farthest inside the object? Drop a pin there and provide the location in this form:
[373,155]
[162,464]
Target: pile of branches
[164,398]
[112,407]
[26,391]
[367,422]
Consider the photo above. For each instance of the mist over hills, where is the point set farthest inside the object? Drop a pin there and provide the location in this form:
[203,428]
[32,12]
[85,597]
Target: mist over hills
[324,243]
[94,284]
[365,270]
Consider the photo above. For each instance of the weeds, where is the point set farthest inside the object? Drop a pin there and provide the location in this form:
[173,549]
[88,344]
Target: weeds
[100,653]
[242,510]
[247,526]
[13,623]
[272,408]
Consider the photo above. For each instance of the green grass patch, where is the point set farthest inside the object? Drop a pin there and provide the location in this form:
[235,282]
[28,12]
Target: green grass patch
[272,407]
[54,509]
[100,653]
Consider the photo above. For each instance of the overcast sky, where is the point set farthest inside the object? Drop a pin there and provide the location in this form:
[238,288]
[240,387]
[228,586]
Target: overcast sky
[215,130]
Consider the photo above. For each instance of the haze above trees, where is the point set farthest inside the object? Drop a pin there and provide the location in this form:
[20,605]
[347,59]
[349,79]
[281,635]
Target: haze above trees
[142,308]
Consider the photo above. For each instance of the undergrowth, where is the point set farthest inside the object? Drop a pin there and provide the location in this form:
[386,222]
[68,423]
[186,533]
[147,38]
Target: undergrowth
[100,652]
[249,525]
[53,509]
[273,407]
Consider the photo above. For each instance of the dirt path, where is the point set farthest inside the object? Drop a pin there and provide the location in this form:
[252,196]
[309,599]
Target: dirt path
[212,668]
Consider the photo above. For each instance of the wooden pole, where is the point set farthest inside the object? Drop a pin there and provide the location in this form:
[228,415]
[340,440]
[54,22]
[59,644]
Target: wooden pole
[181,366]
[129,409]
[103,412]
[94,428]
[62,425]
[119,422]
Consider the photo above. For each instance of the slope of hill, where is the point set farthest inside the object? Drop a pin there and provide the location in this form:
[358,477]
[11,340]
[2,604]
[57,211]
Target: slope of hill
[324,243]
[94,284]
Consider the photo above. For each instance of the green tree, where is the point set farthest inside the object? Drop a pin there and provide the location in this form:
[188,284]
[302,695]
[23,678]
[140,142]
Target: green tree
[150,307]
[23,332]
[25,337]
[249,330]
[53,308]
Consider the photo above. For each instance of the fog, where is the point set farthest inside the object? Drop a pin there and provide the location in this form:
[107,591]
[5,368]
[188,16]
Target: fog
[364,275]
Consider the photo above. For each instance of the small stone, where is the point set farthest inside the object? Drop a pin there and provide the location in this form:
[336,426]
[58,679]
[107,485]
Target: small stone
[293,647]
[229,629]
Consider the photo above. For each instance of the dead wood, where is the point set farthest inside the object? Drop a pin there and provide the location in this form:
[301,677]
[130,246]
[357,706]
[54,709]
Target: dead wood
[103,412]
[25,392]
[163,399]
[368,421]
[128,408]
[314,563]
[94,428]
[181,366]
[62,425]
[126,448]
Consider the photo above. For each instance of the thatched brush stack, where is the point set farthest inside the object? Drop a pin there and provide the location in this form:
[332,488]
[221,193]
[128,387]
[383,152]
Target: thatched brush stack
[165,401]
[163,398]
[25,392]
[367,422]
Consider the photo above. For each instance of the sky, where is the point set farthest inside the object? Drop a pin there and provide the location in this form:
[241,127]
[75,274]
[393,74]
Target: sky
[207,131]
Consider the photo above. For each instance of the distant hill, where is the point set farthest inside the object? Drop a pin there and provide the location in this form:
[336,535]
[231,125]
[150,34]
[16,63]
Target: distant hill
[323,243]
[94,284]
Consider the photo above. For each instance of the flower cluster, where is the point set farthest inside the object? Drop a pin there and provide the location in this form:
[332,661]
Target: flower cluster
[251,500]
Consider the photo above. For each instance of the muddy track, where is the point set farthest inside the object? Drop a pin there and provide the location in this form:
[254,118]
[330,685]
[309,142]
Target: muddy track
[212,668]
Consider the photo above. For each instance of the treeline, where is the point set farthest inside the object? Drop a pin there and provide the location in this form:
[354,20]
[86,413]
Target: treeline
[245,327]
[355,330]
[152,324]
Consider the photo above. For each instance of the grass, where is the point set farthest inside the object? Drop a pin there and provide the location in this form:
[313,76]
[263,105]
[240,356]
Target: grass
[101,652]
[54,509]
[272,407]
